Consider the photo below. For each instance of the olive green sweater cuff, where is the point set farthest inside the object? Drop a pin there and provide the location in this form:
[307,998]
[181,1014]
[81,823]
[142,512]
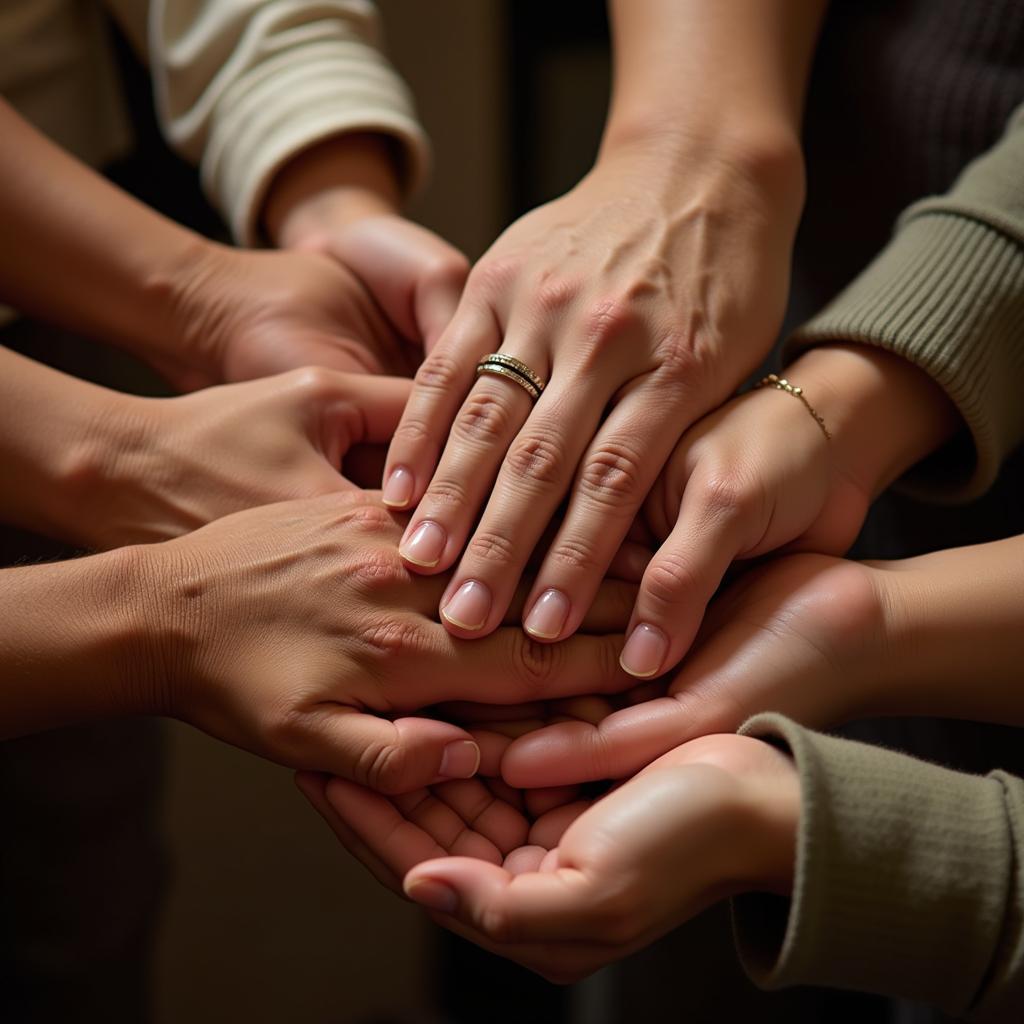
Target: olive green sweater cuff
[947,294]
[907,884]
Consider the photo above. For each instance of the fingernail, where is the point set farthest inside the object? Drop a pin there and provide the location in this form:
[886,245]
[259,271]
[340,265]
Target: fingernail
[398,489]
[425,545]
[433,895]
[460,760]
[644,652]
[469,606]
[548,615]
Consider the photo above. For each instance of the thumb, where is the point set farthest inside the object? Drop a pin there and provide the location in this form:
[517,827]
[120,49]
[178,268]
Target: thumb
[380,401]
[391,757]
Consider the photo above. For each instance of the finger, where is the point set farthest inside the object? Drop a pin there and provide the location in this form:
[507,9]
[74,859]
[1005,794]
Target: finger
[526,858]
[550,826]
[609,612]
[393,841]
[441,384]
[428,810]
[390,757]
[405,258]
[684,574]
[313,787]
[506,908]
[509,667]
[534,477]
[380,402]
[480,810]
[616,472]
[491,416]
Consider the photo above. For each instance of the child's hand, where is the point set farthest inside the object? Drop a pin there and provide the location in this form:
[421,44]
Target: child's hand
[760,474]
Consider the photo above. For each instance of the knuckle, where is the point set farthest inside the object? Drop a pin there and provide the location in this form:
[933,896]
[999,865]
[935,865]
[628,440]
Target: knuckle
[483,419]
[445,493]
[412,431]
[315,381]
[535,663]
[678,361]
[376,572]
[492,548]
[440,373]
[388,637]
[537,459]
[553,294]
[382,767]
[577,555]
[670,579]
[493,274]
[725,494]
[606,321]
[367,519]
[611,474]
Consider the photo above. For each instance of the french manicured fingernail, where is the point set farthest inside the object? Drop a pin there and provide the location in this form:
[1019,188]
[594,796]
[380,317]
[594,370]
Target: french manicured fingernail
[460,760]
[398,489]
[433,895]
[548,615]
[469,606]
[644,652]
[425,545]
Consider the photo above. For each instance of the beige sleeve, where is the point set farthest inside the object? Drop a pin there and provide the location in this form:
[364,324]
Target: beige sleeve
[242,86]
[947,293]
[909,881]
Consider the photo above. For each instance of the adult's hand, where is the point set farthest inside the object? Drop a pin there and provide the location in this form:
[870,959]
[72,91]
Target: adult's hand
[762,473]
[590,882]
[642,297]
[292,629]
[152,469]
[803,635]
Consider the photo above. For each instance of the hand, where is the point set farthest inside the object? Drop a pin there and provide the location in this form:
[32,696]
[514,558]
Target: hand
[240,314]
[643,297]
[805,635]
[290,629]
[153,469]
[759,474]
[591,882]
[340,198]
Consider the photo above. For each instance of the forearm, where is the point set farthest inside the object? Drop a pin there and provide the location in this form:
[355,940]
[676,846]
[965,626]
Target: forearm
[69,636]
[57,457]
[76,250]
[726,76]
[953,643]
[883,412]
[339,180]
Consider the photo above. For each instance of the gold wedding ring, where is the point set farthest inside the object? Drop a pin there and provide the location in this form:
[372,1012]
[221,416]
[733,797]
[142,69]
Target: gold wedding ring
[512,369]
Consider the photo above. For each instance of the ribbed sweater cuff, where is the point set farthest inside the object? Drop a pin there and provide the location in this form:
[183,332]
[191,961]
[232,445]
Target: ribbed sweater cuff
[293,101]
[902,876]
[948,295]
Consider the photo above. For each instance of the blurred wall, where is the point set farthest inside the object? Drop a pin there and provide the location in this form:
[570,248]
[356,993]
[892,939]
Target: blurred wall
[268,919]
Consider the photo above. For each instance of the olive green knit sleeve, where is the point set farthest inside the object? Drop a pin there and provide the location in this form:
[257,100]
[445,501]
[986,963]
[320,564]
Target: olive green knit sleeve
[947,293]
[909,881]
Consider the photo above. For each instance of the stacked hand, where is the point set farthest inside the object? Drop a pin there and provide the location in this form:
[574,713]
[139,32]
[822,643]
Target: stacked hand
[586,882]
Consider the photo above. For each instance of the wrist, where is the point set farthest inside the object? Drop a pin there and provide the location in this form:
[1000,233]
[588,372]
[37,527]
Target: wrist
[334,182]
[884,413]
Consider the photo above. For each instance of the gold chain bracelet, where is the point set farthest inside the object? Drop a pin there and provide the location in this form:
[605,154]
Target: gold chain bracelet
[773,380]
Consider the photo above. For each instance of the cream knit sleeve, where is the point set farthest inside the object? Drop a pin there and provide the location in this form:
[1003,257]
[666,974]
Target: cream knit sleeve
[947,293]
[244,85]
